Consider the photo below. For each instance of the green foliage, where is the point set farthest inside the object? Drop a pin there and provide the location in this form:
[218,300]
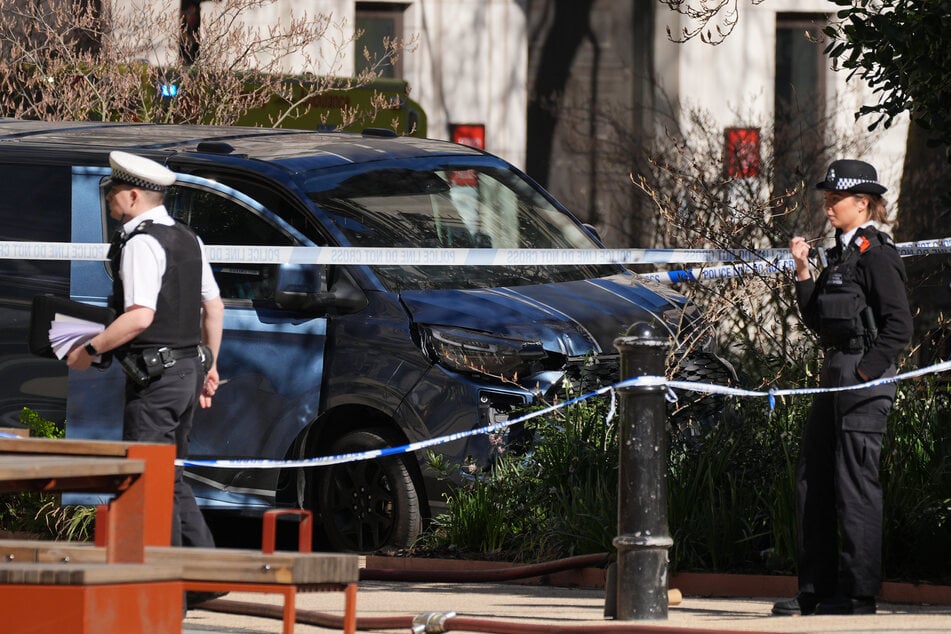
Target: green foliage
[900,48]
[556,499]
[731,491]
[40,427]
[916,479]
[20,512]
[40,513]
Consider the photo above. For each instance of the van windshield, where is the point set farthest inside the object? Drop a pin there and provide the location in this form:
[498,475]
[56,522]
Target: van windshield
[426,205]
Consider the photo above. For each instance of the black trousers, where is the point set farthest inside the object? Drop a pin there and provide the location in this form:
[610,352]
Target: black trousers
[163,412]
[839,497]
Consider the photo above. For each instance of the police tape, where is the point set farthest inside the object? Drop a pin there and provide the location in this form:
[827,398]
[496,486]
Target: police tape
[724,272]
[397,256]
[765,267]
[635,382]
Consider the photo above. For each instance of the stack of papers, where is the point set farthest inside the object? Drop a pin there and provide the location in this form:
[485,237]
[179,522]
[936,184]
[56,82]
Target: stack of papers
[68,332]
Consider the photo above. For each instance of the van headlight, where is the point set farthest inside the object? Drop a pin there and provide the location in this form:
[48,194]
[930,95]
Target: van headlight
[473,351]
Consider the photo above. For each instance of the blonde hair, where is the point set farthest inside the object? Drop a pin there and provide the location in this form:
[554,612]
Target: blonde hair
[877,207]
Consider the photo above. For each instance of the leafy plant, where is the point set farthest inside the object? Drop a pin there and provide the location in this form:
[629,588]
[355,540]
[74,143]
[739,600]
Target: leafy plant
[916,479]
[731,491]
[40,427]
[549,500]
[21,512]
[41,513]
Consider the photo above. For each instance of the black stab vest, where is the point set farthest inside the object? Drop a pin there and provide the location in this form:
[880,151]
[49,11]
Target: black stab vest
[177,321]
[840,300]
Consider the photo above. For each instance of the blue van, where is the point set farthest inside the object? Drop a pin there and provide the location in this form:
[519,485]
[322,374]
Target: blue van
[324,359]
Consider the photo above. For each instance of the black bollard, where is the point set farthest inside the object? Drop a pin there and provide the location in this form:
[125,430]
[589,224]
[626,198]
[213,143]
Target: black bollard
[643,535]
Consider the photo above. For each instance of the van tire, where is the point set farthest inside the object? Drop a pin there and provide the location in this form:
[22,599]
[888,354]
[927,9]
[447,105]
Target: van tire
[367,505]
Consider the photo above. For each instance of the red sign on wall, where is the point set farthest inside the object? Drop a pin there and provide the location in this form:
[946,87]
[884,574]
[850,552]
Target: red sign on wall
[471,134]
[742,155]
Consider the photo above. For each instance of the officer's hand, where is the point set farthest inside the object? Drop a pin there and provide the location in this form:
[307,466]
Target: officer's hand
[78,358]
[209,388]
[799,249]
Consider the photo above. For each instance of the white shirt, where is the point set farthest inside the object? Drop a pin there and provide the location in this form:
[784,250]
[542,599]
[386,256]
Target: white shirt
[143,264]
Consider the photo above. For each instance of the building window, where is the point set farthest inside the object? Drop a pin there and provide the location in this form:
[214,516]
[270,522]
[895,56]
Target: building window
[799,98]
[190,27]
[378,22]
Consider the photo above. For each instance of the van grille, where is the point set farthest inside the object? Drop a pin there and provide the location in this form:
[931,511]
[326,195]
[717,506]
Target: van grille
[692,412]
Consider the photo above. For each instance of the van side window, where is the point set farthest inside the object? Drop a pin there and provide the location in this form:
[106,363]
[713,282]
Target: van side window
[34,207]
[222,221]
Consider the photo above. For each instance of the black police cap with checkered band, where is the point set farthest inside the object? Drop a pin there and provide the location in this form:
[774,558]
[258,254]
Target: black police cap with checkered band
[849,175]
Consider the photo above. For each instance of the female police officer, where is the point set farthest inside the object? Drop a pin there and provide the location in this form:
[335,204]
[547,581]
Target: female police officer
[859,308]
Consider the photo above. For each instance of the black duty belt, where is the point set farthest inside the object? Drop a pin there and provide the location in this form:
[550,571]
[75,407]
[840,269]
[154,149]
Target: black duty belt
[179,353]
[853,345]
[168,355]
[144,365]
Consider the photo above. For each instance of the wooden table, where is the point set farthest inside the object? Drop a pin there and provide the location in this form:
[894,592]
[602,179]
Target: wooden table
[141,474]
[67,473]
[123,595]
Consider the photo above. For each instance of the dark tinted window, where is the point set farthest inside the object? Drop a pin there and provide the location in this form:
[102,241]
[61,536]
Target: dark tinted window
[425,204]
[376,22]
[34,206]
[223,221]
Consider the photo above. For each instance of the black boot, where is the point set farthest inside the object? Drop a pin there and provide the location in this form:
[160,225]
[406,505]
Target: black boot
[803,604]
[846,605]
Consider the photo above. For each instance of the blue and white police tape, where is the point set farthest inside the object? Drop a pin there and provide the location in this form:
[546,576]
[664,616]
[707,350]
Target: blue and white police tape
[392,451]
[395,256]
[727,271]
[641,381]
[772,393]
[763,267]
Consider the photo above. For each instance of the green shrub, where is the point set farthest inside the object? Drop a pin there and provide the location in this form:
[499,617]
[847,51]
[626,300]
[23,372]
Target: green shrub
[731,491]
[916,479]
[557,498]
[41,514]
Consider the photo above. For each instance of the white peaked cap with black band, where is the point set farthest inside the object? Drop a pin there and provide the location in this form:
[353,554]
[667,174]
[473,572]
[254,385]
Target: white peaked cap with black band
[138,171]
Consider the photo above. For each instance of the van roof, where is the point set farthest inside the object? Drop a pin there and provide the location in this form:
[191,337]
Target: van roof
[278,145]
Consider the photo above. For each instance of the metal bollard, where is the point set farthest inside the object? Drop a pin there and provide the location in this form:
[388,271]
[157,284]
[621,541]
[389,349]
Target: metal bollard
[643,535]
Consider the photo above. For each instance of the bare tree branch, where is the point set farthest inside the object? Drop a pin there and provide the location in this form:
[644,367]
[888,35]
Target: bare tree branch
[108,60]
[711,20]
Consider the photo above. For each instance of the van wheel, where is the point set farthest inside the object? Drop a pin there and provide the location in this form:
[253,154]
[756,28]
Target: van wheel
[367,505]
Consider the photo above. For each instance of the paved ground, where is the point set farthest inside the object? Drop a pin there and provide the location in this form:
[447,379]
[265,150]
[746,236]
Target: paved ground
[551,608]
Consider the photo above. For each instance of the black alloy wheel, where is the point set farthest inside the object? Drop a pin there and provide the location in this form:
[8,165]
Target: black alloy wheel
[367,505]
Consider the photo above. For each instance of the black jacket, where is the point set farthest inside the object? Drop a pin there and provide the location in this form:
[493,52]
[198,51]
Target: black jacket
[880,276]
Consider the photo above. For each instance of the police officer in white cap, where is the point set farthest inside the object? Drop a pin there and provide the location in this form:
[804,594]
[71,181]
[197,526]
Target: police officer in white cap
[167,304]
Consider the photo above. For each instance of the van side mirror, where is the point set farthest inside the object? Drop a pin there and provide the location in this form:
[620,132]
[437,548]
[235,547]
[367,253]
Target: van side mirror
[300,287]
[303,288]
[593,232]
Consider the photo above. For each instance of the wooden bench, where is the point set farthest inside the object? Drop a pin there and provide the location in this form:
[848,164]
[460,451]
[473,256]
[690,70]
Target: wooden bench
[140,515]
[225,570]
[136,527]
[91,598]
[123,594]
